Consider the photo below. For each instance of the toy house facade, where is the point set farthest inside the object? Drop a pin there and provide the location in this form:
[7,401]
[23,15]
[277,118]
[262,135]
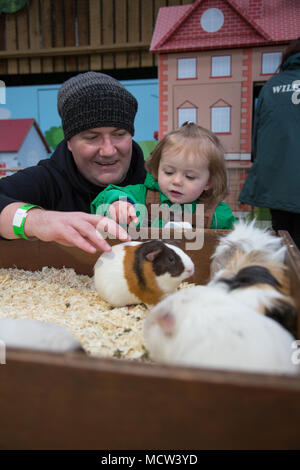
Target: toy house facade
[22,144]
[214,56]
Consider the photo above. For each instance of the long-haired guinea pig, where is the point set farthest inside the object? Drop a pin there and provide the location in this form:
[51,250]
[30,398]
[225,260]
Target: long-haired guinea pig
[246,237]
[261,284]
[205,326]
[140,272]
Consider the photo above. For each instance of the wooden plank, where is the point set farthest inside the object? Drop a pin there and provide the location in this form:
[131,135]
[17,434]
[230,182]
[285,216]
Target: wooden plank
[147,30]
[46,27]
[121,31]
[83,32]
[2,29]
[108,33]
[23,38]
[293,263]
[34,34]
[11,42]
[134,33]
[124,404]
[3,67]
[58,12]
[95,32]
[95,19]
[75,50]
[70,39]
[3,63]
[173,3]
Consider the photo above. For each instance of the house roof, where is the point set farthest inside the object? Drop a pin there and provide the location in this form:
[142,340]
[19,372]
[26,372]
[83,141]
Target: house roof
[14,131]
[178,28]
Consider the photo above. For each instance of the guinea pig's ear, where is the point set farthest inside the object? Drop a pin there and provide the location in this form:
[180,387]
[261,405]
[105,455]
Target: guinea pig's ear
[154,253]
[167,322]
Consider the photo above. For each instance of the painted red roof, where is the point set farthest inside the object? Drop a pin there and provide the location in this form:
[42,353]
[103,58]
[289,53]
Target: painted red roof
[178,28]
[13,133]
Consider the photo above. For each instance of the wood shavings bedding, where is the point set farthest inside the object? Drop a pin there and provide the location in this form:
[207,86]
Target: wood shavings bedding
[68,299]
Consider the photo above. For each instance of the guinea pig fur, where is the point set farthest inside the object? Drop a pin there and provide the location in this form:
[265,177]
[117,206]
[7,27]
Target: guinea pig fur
[261,284]
[204,326]
[140,272]
[246,237]
[35,334]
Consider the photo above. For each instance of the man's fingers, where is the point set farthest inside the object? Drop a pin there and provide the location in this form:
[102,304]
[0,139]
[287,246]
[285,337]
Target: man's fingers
[72,237]
[110,229]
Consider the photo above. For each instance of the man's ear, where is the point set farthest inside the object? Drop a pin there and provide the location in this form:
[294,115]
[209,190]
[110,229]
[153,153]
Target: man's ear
[69,145]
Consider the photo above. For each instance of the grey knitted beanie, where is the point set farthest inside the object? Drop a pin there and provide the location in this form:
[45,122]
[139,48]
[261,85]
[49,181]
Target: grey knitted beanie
[94,99]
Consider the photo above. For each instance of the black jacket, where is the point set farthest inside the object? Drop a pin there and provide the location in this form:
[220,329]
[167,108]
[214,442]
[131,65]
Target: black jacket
[56,184]
[273,180]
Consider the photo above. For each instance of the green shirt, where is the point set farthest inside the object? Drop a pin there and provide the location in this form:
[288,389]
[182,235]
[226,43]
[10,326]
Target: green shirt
[223,217]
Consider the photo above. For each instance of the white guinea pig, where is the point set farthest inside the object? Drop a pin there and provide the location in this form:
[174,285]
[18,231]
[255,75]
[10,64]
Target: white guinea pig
[35,334]
[140,272]
[205,327]
[246,237]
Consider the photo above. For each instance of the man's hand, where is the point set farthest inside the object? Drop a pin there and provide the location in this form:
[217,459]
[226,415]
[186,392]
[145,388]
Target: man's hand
[73,229]
[122,212]
[67,228]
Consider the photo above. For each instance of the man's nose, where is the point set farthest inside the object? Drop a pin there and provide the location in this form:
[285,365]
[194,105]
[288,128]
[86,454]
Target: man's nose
[107,148]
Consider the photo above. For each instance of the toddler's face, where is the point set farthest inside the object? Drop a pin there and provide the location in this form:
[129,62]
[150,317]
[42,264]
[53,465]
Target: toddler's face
[182,180]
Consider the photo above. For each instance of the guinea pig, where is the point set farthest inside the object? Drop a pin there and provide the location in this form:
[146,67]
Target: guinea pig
[204,326]
[140,272]
[262,284]
[35,334]
[246,237]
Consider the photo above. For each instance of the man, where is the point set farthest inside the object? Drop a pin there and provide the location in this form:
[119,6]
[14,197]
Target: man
[51,201]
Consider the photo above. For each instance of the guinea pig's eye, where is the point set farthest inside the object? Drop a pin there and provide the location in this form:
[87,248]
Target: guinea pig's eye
[171,259]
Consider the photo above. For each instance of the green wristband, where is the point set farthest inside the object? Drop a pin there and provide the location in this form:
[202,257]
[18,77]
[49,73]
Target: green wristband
[19,219]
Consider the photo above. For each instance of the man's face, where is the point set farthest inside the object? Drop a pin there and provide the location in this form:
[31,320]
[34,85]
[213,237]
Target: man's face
[102,154]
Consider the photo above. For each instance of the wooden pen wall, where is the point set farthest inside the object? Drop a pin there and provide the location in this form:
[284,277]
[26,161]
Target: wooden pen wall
[75,35]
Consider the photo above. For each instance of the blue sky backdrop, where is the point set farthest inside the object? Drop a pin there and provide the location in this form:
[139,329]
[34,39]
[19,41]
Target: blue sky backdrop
[40,102]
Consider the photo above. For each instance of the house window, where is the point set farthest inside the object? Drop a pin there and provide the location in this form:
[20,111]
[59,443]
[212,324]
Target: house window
[220,119]
[186,114]
[186,68]
[212,20]
[271,61]
[221,66]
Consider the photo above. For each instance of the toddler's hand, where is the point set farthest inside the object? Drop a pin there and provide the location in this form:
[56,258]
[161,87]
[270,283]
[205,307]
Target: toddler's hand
[122,212]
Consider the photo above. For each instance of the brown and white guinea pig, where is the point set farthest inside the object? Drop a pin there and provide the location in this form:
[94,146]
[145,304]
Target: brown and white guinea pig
[256,280]
[140,272]
[205,326]
[245,238]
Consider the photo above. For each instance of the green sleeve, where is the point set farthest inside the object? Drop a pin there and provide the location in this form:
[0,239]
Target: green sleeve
[136,193]
[223,217]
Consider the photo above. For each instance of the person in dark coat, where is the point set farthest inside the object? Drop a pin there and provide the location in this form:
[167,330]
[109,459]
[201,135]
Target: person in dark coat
[273,181]
[51,201]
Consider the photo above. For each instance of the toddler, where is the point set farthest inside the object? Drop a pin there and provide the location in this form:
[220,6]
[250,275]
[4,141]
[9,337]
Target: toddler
[186,168]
